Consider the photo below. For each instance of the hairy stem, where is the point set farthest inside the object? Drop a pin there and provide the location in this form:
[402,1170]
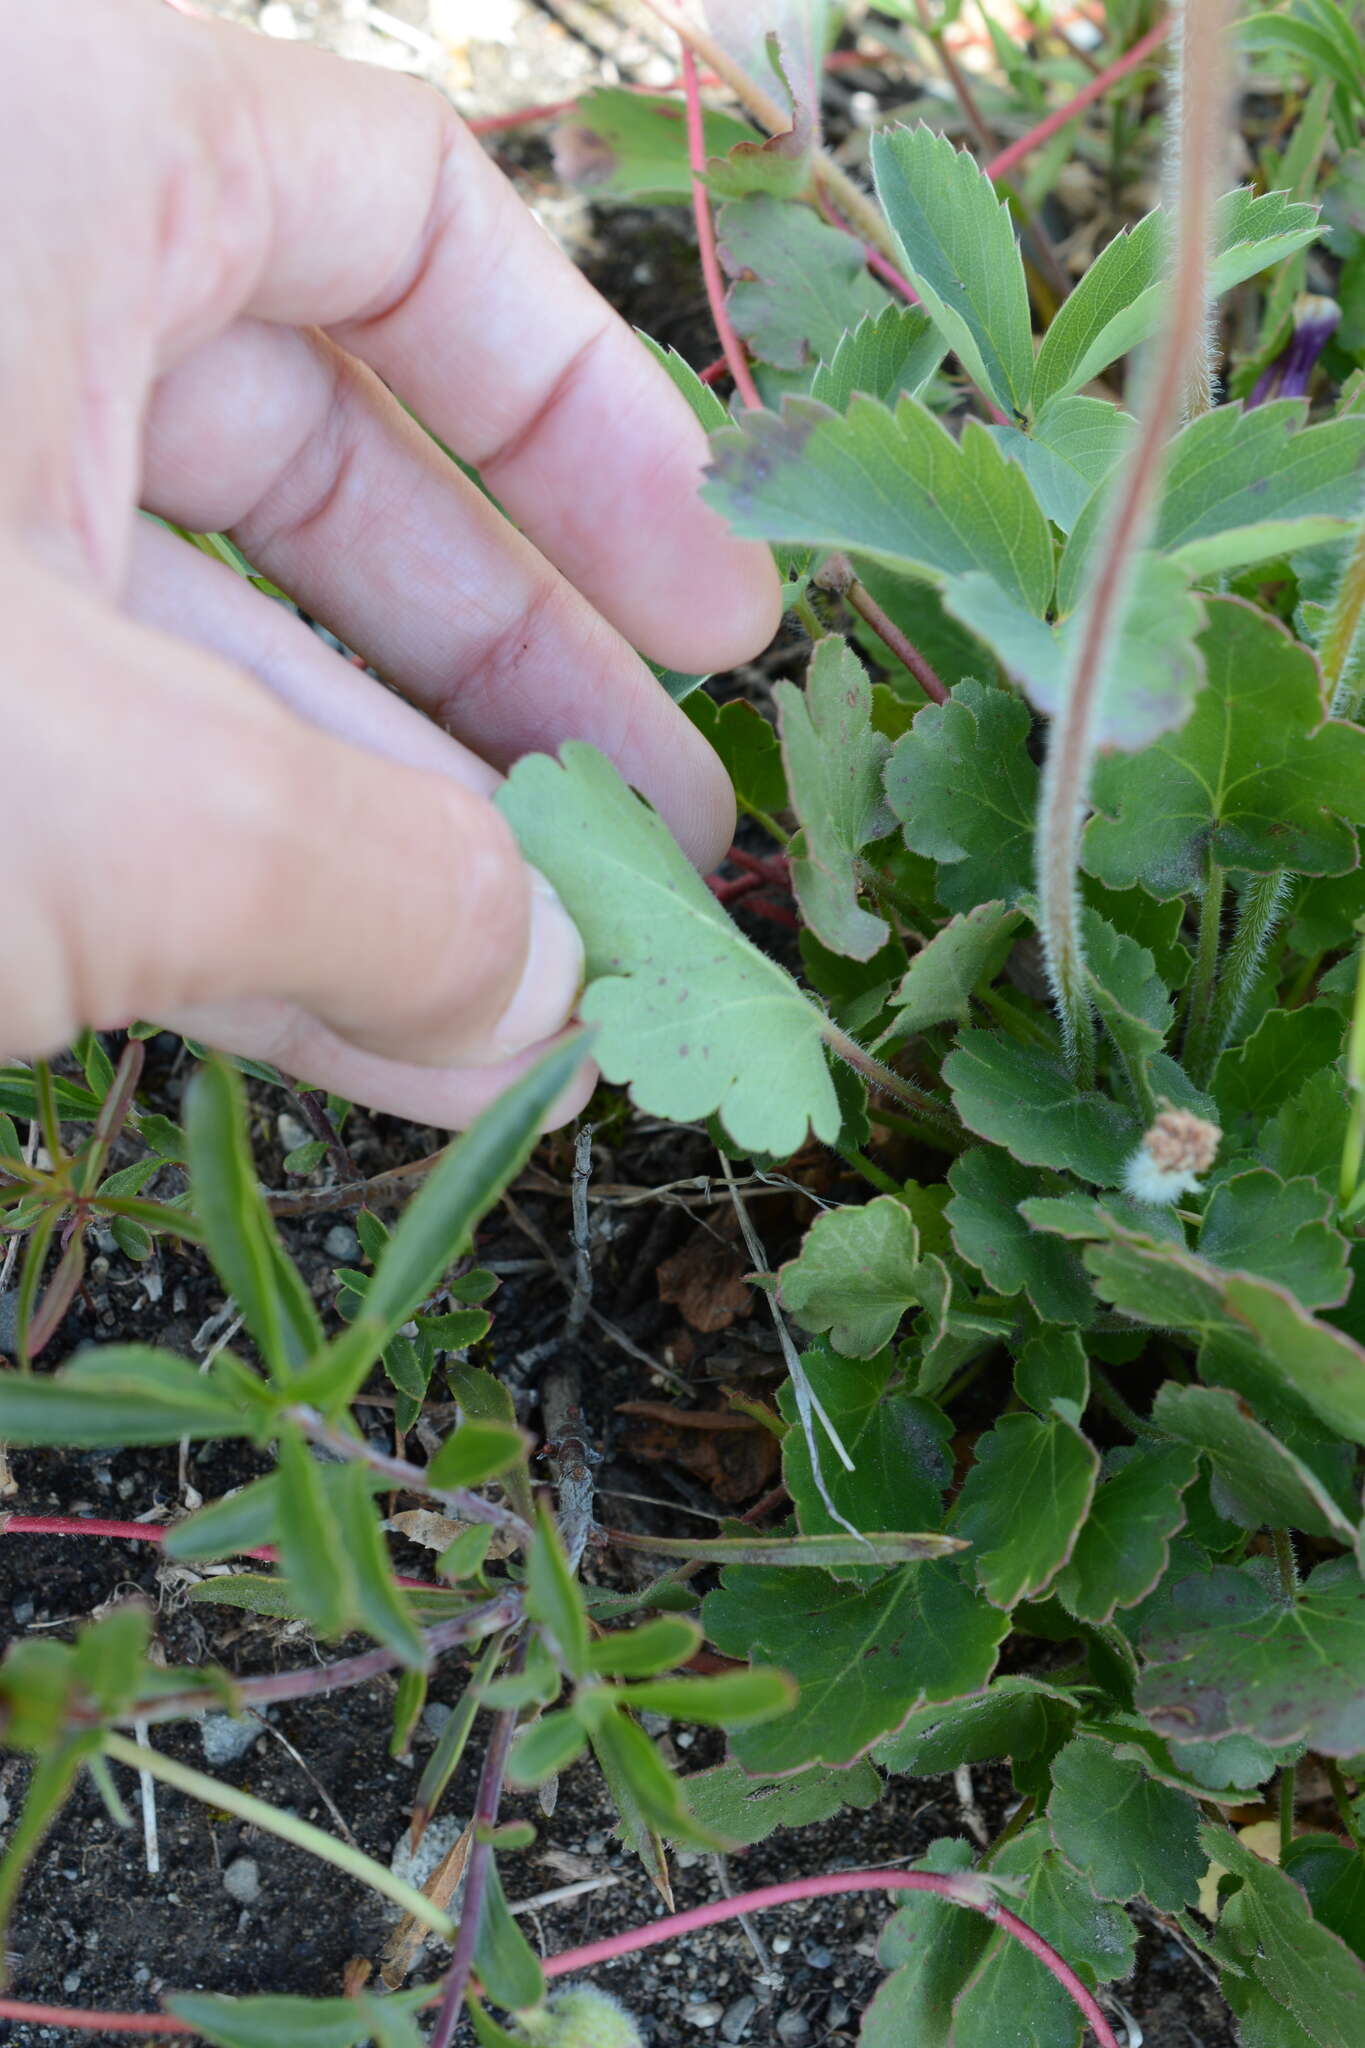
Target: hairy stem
[1353,1145]
[731,346]
[1198,87]
[1204,977]
[1339,635]
[922,1107]
[1257,916]
[1343,1802]
[289,1828]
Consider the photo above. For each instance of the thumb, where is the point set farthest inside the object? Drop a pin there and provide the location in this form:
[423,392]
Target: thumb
[184,840]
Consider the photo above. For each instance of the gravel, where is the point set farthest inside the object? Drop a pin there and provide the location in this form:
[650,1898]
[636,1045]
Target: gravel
[227,1740]
[242,1880]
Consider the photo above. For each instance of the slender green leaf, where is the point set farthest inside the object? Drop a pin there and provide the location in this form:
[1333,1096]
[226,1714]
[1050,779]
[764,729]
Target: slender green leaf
[120,1395]
[834,759]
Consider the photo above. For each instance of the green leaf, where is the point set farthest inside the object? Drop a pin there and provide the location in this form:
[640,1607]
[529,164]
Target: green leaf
[1269,1938]
[312,1551]
[965,789]
[553,1597]
[1229,1655]
[1258,1481]
[690,1014]
[630,146]
[1286,1049]
[1258,779]
[728,1801]
[507,1966]
[1124,1545]
[1128,994]
[658,1645]
[379,1604]
[854,1275]
[238,1230]
[1071,447]
[988,1231]
[476,1451]
[1023,1098]
[1013,1717]
[895,486]
[864,1658]
[887,353]
[732,1699]
[1023,1503]
[438,1223]
[957,242]
[898,1444]
[1118,302]
[1241,487]
[1334,1878]
[747,746]
[118,1395]
[940,980]
[1279,1229]
[1153,676]
[1123,1832]
[1158,1281]
[799,286]
[1011,1997]
[1051,1368]
[302,2022]
[950,1335]
[930,1946]
[834,760]
[109,1659]
[792,1553]
[647,1794]
[544,1748]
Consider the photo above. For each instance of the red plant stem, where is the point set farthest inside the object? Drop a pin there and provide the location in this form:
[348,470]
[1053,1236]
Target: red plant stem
[486,1803]
[887,272]
[713,372]
[860,599]
[959,1891]
[706,240]
[133,1532]
[1000,166]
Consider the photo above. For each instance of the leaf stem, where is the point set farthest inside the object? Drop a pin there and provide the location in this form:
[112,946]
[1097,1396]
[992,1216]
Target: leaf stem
[1008,159]
[1198,1044]
[1286,1563]
[1198,82]
[1288,1787]
[1353,1145]
[487,1801]
[301,1833]
[1339,635]
[922,1107]
[836,574]
[464,1505]
[1257,916]
[731,345]
[1345,1809]
[870,1171]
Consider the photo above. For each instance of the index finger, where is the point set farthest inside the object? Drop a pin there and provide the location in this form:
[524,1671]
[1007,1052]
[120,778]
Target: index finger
[377,215]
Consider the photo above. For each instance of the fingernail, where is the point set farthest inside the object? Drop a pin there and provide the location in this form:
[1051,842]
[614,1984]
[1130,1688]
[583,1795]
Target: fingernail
[553,979]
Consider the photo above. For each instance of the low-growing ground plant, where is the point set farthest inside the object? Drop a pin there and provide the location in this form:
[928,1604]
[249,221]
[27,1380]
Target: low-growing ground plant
[1076,1390]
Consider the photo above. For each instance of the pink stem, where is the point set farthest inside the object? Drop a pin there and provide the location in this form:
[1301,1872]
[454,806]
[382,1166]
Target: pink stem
[1001,166]
[706,240]
[959,1891]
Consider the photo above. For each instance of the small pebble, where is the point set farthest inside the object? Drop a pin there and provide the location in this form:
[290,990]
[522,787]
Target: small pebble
[288,1129]
[23,1611]
[792,2029]
[342,1244]
[818,1957]
[595,1844]
[415,1866]
[708,2014]
[781,1944]
[5,1808]
[434,1717]
[735,2024]
[242,1880]
[225,1740]
[71,1981]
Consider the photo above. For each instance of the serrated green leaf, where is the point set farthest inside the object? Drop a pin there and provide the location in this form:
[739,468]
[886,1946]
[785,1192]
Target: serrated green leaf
[1071,447]
[854,1275]
[748,746]
[1258,1482]
[957,241]
[1334,1878]
[895,486]
[930,1947]
[1257,779]
[1023,1502]
[1123,1832]
[938,984]
[691,1015]
[1118,302]
[1305,1135]
[1128,994]
[1024,1099]
[1229,1655]
[628,146]
[1013,1717]
[1153,676]
[1280,1229]
[951,1331]
[1052,1367]
[887,353]
[122,1394]
[863,1658]
[1010,1996]
[1268,1937]
[965,789]
[834,760]
[728,1801]
[1124,1544]
[988,1231]
[1284,1051]
[799,285]
[238,1229]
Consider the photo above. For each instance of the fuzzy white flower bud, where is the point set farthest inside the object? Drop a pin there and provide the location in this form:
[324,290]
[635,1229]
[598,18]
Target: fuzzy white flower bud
[582,2017]
[1167,1164]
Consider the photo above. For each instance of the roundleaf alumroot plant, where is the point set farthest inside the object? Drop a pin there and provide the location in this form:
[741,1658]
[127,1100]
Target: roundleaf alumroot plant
[1075,1395]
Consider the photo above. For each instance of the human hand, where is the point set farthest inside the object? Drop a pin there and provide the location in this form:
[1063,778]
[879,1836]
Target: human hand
[229,262]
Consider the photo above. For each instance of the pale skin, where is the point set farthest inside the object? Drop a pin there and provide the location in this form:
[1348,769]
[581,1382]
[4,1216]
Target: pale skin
[227,261]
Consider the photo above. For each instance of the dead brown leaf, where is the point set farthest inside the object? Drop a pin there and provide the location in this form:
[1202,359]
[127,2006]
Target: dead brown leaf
[732,1455]
[705,1281]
